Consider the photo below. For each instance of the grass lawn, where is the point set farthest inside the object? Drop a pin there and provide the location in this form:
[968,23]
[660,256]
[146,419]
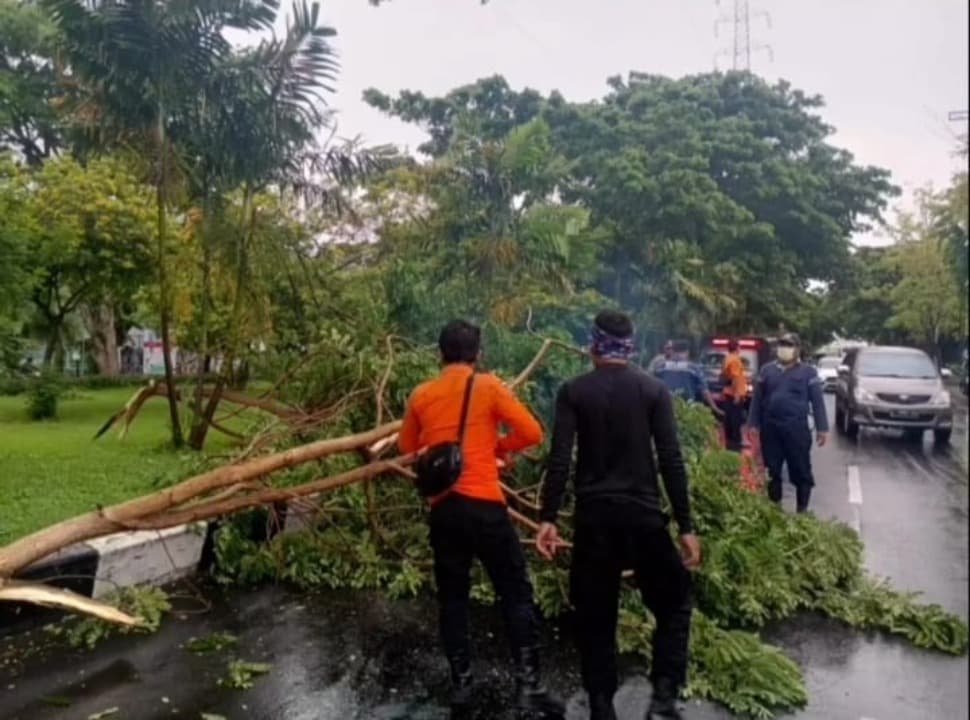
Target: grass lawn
[50,471]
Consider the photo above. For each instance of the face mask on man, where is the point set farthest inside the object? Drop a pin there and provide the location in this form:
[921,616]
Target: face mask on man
[786,354]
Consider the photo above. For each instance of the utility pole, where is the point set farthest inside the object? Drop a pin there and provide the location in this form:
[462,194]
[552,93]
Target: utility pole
[742,47]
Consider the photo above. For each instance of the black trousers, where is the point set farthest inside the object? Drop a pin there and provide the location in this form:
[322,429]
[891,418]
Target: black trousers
[733,422]
[463,529]
[789,445]
[611,537]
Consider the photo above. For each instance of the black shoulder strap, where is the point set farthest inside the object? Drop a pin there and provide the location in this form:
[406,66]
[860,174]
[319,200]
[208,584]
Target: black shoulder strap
[464,408]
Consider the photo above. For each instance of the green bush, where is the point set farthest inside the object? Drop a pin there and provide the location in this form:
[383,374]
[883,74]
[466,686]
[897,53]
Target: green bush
[11,384]
[43,395]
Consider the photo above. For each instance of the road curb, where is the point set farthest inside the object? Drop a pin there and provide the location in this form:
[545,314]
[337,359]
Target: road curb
[152,557]
[137,557]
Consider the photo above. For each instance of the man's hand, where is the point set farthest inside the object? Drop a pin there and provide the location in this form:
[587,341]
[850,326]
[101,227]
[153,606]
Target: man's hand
[690,551]
[821,438]
[548,540]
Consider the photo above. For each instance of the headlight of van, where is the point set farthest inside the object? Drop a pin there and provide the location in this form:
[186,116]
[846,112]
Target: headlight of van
[941,399]
[864,396]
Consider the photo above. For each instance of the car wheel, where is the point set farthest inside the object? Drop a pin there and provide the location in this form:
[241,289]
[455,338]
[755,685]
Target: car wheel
[942,437]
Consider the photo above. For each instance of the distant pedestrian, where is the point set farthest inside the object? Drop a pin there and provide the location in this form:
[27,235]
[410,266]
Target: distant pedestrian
[666,354]
[786,391]
[622,422]
[684,378]
[735,394]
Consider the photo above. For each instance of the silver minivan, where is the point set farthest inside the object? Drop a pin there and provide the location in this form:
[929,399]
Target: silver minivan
[893,387]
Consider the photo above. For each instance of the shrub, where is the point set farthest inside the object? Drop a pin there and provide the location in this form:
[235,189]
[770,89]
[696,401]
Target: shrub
[43,395]
[11,384]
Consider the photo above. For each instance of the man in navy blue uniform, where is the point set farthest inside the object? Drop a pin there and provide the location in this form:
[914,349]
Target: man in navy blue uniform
[684,378]
[779,411]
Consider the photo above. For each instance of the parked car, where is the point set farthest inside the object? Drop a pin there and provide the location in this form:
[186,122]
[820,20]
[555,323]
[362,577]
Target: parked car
[828,370]
[893,387]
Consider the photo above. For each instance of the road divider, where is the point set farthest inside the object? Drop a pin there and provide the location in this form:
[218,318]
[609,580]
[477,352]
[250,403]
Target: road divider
[854,480]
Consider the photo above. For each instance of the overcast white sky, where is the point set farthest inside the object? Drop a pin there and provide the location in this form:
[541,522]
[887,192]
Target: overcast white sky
[889,70]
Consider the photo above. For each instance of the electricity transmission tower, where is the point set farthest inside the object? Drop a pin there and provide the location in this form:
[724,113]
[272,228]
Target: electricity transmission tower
[742,47]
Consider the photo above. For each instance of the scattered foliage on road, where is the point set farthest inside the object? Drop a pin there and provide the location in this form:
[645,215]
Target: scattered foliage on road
[149,604]
[241,674]
[216,642]
[761,565]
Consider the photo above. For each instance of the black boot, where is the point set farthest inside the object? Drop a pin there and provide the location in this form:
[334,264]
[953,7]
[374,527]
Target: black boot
[663,705]
[803,495]
[532,700]
[601,707]
[462,686]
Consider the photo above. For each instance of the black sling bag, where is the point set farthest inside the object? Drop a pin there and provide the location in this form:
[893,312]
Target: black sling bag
[440,466]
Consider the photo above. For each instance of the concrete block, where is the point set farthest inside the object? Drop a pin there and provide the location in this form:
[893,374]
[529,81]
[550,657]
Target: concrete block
[152,557]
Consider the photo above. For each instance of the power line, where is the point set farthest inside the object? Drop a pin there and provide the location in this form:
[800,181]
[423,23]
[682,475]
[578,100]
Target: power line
[742,47]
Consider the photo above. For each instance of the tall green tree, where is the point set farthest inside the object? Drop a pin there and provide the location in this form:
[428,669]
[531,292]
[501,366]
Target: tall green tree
[926,302]
[719,195]
[142,64]
[491,241]
[951,224]
[15,231]
[29,92]
[254,122]
[90,243]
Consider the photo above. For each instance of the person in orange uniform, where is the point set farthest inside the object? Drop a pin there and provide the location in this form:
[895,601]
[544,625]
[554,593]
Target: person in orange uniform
[735,393]
[471,519]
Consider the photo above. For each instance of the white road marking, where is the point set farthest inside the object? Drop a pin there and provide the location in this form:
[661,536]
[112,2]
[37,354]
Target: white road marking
[855,485]
[855,499]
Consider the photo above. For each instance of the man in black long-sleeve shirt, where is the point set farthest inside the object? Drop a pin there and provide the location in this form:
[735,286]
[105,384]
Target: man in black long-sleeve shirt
[620,416]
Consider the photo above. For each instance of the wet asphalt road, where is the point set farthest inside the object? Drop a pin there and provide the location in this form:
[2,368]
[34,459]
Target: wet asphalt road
[340,656]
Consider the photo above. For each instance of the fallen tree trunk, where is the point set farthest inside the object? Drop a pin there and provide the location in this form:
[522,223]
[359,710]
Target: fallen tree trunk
[21,553]
[17,591]
[267,496]
[212,494]
[154,389]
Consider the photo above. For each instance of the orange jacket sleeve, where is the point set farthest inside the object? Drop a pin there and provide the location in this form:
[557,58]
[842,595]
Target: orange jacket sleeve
[523,429]
[409,437]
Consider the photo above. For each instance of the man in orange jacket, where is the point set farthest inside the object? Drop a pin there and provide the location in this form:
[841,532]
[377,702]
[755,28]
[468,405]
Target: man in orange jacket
[735,393]
[471,519]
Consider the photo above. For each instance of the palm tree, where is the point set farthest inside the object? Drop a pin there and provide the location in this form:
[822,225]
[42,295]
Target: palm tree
[256,130]
[139,65]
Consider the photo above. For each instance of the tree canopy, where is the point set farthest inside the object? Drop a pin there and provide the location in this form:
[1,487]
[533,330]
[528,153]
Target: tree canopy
[716,198]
